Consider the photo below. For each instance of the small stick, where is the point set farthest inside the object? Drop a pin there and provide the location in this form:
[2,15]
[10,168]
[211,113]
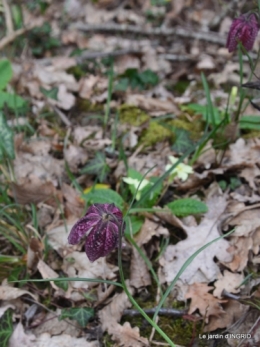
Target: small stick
[172,312]
[161,31]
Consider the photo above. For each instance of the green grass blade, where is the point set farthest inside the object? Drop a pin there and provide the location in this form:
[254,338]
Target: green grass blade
[183,268]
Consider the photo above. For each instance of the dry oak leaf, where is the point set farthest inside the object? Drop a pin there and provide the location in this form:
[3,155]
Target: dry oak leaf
[19,338]
[203,268]
[249,152]
[128,336]
[34,190]
[148,230]
[205,302]
[111,315]
[229,281]
[11,293]
[240,247]
[83,268]
[74,205]
[233,310]
[139,273]
[151,104]
[246,237]
[64,340]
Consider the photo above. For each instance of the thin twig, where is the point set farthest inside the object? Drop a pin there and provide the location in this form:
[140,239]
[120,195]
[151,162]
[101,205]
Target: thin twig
[94,55]
[62,116]
[161,31]
[172,312]
[10,38]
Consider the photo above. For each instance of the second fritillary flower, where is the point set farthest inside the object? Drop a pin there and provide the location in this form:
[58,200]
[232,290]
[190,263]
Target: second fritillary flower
[243,29]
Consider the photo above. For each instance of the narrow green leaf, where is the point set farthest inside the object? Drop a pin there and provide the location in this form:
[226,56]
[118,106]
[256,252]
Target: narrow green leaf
[102,196]
[7,139]
[250,122]
[133,225]
[5,73]
[186,207]
[81,314]
[6,328]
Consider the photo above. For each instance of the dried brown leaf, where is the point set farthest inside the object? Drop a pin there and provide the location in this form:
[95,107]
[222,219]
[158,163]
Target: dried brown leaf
[35,191]
[205,302]
[139,273]
[148,230]
[233,310]
[228,281]
[203,268]
[20,338]
[11,293]
[74,205]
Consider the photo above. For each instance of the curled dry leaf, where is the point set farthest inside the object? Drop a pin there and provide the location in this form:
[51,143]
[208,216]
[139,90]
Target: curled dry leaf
[34,253]
[203,268]
[20,338]
[111,315]
[53,326]
[205,302]
[233,310]
[82,267]
[246,237]
[64,340]
[10,293]
[74,205]
[139,273]
[33,190]
[151,104]
[148,230]
[228,281]
[47,272]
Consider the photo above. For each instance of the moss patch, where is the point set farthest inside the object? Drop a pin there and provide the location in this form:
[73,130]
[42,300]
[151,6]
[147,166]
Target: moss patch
[132,115]
[194,128]
[84,105]
[156,133]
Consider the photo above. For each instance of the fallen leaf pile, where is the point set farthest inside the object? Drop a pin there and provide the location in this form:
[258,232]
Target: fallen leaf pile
[110,85]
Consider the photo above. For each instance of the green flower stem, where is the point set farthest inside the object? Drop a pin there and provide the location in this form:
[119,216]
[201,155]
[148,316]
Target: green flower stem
[182,269]
[132,300]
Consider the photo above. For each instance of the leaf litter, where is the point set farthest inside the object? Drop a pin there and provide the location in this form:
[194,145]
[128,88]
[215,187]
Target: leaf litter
[67,86]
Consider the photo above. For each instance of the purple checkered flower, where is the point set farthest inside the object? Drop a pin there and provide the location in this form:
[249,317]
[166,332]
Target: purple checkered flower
[101,224]
[243,29]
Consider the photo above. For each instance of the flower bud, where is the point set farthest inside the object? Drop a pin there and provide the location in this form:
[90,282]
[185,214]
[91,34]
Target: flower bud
[101,224]
[243,29]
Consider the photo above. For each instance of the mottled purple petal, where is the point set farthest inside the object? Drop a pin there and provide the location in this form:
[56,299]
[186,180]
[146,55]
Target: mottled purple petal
[102,224]
[243,29]
[101,242]
[82,226]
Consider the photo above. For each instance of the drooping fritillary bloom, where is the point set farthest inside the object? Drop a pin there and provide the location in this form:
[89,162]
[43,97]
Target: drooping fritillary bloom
[243,29]
[102,224]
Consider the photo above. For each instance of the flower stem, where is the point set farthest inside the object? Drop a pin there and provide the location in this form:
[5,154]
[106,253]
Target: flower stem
[132,300]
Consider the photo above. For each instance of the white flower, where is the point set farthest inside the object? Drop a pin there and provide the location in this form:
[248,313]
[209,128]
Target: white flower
[135,182]
[181,170]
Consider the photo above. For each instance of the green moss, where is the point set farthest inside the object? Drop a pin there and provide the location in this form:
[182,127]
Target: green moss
[132,115]
[252,134]
[194,128]
[84,105]
[156,133]
[76,71]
